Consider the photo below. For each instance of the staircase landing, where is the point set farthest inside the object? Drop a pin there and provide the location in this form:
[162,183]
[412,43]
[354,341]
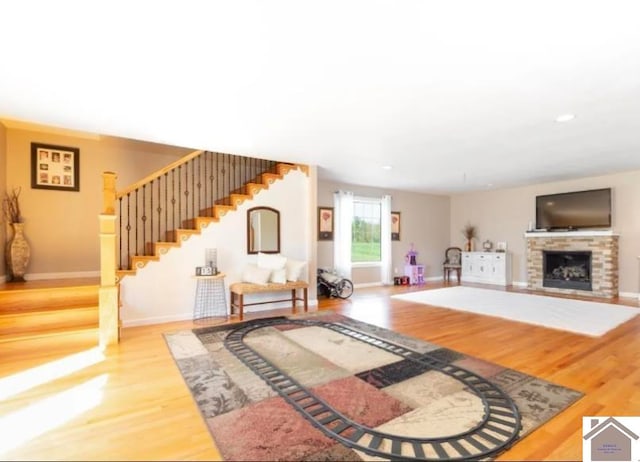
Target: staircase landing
[44,308]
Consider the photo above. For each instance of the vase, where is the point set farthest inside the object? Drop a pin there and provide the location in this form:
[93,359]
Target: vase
[17,253]
[468,247]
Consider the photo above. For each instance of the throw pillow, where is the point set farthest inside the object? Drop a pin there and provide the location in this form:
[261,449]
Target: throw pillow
[294,269]
[271,261]
[256,275]
[279,276]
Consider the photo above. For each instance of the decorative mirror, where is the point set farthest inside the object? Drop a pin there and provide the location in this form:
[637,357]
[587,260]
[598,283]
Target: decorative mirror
[263,230]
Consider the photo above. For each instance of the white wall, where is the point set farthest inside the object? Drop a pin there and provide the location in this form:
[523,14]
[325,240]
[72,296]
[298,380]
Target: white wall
[504,215]
[164,291]
[3,188]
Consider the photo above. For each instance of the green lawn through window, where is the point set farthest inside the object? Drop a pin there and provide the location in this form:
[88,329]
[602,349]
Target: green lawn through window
[365,251]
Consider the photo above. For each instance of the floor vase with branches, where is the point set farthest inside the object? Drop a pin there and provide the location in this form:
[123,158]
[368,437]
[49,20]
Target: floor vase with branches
[17,251]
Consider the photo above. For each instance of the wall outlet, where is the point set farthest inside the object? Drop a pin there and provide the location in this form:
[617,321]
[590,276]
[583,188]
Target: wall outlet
[395,270]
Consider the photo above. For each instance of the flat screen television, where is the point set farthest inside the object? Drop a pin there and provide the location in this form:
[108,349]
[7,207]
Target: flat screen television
[574,210]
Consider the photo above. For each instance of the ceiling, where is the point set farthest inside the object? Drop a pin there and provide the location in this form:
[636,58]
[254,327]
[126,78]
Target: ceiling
[455,96]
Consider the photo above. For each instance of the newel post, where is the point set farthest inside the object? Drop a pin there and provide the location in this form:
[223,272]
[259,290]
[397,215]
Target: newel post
[109,310]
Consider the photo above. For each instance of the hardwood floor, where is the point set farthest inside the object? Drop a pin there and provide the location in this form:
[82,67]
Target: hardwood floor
[62,399]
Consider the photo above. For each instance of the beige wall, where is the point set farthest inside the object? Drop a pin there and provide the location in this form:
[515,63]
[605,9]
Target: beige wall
[504,215]
[3,188]
[424,221]
[62,226]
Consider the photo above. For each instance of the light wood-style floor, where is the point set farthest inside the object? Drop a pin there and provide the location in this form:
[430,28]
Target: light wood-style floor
[132,404]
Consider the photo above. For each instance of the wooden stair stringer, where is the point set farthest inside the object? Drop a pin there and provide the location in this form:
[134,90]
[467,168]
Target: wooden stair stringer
[207,216]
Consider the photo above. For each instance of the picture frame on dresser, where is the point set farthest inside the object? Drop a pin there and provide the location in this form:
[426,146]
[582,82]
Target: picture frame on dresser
[501,246]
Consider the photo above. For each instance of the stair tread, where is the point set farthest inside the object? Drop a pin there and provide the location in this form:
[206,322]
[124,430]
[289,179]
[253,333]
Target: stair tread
[46,310]
[50,284]
[43,333]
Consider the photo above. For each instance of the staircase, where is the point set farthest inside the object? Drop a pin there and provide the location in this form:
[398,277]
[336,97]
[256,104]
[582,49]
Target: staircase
[205,216]
[37,309]
[41,309]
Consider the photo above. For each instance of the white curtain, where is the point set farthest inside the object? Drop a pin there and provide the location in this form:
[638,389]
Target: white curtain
[343,216]
[385,240]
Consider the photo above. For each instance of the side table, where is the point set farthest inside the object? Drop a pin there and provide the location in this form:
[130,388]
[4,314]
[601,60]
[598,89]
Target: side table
[211,298]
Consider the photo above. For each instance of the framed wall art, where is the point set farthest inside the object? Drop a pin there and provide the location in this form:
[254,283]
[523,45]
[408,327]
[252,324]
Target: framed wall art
[395,226]
[55,167]
[325,223]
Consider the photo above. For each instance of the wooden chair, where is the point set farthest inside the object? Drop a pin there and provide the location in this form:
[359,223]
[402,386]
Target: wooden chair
[452,262]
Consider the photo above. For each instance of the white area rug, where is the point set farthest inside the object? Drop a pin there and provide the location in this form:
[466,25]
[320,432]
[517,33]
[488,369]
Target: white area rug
[588,318]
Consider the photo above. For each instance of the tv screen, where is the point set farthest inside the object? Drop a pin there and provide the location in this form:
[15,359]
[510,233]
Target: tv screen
[574,210]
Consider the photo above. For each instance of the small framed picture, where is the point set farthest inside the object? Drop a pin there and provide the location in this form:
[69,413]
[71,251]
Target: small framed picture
[55,167]
[395,226]
[501,246]
[325,223]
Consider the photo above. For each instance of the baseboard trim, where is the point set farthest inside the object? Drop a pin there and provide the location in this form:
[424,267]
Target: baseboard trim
[367,284]
[157,320]
[311,303]
[70,275]
[629,295]
[519,284]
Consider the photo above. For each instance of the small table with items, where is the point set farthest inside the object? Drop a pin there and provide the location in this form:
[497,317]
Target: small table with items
[211,298]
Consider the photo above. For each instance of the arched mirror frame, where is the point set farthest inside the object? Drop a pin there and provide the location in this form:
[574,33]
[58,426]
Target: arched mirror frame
[250,250]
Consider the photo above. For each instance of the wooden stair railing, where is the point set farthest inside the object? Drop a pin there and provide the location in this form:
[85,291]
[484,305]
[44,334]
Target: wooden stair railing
[157,213]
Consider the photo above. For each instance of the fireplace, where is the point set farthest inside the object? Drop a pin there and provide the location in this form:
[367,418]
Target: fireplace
[601,266]
[566,269]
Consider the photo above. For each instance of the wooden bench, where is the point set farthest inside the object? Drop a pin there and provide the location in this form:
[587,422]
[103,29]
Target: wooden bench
[239,289]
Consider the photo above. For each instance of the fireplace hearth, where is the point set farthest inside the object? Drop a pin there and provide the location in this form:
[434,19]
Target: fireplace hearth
[567,269]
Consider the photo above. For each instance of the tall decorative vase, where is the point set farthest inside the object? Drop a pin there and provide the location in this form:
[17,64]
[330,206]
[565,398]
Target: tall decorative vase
[17,253]
[468,246]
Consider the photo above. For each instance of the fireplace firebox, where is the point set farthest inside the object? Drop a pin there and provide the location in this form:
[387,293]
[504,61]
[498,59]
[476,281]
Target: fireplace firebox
[567,269]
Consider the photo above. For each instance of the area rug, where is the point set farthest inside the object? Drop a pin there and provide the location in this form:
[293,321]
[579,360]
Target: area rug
[328,387]
[582,317]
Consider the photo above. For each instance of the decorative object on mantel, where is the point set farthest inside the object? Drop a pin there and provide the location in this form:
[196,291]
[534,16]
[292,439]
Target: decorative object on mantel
[17,252]
[469,232]
[487,245]
[411,256]
[501,246]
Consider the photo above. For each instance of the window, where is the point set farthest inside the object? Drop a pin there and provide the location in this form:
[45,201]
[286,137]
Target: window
[365,231]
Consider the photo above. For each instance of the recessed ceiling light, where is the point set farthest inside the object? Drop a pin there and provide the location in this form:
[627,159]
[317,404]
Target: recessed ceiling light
[565,117]
[387,167]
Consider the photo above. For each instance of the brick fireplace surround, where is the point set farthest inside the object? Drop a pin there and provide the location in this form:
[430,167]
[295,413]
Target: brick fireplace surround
[604,259]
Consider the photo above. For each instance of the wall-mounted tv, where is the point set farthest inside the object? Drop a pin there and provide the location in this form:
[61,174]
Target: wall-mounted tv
[574,210]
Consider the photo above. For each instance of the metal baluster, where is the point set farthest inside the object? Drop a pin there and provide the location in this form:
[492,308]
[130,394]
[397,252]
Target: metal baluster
[193,194]
[160,209]
[173,200]
[136,223]
[206,189]
[179,195]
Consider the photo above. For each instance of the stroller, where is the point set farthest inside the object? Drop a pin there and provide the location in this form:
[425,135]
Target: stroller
[332,285]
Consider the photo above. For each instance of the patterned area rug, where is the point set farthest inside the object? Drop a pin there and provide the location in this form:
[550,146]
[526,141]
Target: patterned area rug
[394,395]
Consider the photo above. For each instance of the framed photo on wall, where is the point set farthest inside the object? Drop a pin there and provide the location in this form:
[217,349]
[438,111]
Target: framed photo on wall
[55,167]
[395,226]
[325,223]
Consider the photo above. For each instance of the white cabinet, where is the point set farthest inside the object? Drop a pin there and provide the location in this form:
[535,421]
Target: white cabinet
[487,267]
